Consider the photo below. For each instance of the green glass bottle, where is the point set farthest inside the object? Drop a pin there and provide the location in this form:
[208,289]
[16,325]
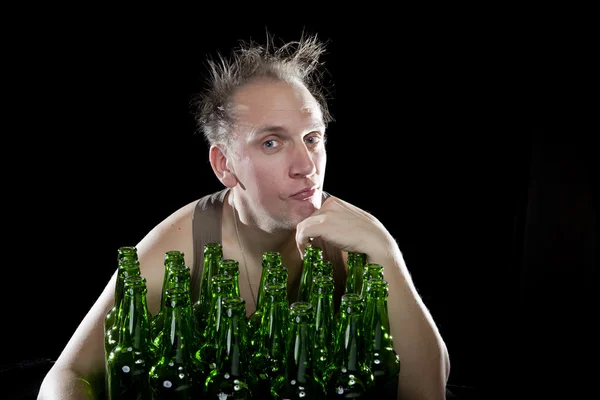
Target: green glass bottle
[231,379]
[348,376]
[312,255]
[176,373]
[380,355]
[253,321]
[297,381]
[173,259]
[222,287]
[324,326]
[270,259]
[213,254]
[273,271]
[126,255]
[275,274]
[127,265]
[174,263]
[177,278]
[231,268]
[323,268]
[371,271]
[129,362]
[267,361]
[356,263]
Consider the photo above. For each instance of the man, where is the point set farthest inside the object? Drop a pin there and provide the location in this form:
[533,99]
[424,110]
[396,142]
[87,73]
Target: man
[264,118]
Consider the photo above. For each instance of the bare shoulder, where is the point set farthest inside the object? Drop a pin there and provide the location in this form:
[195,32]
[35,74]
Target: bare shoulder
[172,233]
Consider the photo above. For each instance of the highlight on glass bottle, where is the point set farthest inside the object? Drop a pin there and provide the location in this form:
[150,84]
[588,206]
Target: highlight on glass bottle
[283,350]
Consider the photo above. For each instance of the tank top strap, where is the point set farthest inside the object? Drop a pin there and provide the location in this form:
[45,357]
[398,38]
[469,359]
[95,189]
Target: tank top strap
[206,228]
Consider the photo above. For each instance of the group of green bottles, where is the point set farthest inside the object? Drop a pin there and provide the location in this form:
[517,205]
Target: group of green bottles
[300,348]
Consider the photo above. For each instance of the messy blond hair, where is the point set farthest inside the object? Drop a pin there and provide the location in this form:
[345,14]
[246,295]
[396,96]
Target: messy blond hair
[295,60]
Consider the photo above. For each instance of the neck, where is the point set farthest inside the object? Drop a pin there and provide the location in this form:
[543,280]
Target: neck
[255,241]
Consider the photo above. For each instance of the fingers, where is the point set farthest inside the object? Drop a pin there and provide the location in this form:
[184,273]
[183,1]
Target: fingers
[337,222]
[307,230]
[302,248]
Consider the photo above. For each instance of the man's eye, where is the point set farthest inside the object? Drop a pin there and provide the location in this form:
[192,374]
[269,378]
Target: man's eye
[313,139]
[269,144]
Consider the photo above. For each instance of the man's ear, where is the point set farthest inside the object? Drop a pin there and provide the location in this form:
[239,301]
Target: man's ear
[218,162]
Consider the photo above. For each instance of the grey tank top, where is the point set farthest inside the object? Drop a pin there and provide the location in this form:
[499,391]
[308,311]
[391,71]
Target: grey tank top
[206,228]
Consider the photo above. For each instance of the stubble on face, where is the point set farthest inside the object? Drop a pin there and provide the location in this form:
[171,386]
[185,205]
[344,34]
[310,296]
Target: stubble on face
[264,190]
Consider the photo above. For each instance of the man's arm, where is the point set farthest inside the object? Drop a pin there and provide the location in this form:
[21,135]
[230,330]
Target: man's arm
[425,364]
[79,371]
[60,384]
[424,358]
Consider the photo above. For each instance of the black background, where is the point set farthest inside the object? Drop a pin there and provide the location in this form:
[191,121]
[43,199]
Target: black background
[461,132]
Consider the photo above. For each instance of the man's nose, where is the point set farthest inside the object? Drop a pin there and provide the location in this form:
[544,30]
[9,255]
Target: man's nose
[302,162]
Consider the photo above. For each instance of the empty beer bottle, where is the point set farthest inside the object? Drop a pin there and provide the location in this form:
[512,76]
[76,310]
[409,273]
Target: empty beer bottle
[213,253]
[231,379]
[222,287]
[174,263]
[275,274]
[272,271]
[380,355]
[371,271]
[177,278]
[297,380]
[324,326]
[173,259]
[129,362]
[348,375]
[270,259]
[176,374]
[231,268]
[127,265]
[267,362]
[356,263]
[322,268]
[312,255]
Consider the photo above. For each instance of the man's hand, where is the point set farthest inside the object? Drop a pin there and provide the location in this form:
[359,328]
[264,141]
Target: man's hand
[422,351]
[345,226]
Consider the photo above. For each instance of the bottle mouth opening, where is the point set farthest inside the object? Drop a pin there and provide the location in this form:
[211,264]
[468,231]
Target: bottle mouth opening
[351,298]
[301,306]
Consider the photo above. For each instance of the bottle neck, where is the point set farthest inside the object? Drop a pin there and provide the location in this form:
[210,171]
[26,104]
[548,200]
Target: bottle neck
[274,323]
[176,342]
[213,254]
[127,268]
[376,320]
[231,348]
[324,310]
[298,360]
[276,275]
[222,287]
[175,276]
[349,340]
[356,262]
[350,348]
[134,320]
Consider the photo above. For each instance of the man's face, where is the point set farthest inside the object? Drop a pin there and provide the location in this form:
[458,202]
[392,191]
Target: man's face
[278,153]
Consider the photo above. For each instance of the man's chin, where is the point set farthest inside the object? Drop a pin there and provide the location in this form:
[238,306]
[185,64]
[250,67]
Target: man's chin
[292,216]
[306,209]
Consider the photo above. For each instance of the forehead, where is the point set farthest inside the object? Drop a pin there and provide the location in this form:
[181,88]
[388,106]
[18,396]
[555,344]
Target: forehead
[287,104]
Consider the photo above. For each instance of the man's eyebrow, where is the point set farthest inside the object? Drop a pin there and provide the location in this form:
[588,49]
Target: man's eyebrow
[319,126]
[268,129]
